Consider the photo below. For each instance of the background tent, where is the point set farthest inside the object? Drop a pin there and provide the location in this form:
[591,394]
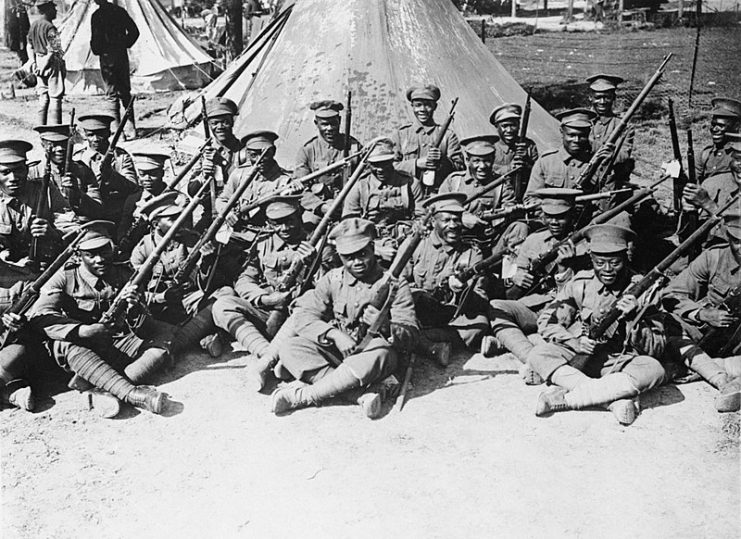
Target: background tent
[377,49]
[164,57]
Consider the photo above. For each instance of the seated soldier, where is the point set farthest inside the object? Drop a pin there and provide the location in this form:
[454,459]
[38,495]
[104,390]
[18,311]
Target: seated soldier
[387,197]
[75,188]
[437,291]
[116,178]
[115,361]
[246,316]
[725,119]
[510,153]
[323,357]
[515,321]
[705,299]
[609,372]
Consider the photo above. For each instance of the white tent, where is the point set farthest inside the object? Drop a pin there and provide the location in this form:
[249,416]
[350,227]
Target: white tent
[377,49]
[163,58]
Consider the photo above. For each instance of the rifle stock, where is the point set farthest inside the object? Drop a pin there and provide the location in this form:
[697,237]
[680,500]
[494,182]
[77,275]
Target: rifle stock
[493,185]
[690,217]
[681,180]
[428,178]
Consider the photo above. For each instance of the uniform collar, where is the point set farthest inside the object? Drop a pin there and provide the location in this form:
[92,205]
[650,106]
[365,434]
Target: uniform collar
[566,157]
[427,129]
[350,280]
[439,244]
[232,144]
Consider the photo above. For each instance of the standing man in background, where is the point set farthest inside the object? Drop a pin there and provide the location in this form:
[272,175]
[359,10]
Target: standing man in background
[113,32]
[48,63]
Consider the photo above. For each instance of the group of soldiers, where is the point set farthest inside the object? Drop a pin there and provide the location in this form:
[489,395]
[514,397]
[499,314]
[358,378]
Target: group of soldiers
[335,279]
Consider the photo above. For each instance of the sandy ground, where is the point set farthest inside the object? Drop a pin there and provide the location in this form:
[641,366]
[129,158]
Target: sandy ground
[466,457]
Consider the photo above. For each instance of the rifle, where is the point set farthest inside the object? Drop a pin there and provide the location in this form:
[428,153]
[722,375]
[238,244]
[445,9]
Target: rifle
[595,162]
[190,263]
[70,143]
[402,398]
[207,133]
[344,162]
[607,165]
[522,140]
[387,286]
[41,208]
[31,294]
[539,267]
[348,131]
[605,194]
[488,188]
[428,177]
[691,216]
[732,304]
[681,180]
[601,325]
[110,153]
[140,277]
[509,210]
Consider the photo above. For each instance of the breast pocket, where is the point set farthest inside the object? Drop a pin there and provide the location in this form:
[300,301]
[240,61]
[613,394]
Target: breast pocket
[409,149]
[556,180]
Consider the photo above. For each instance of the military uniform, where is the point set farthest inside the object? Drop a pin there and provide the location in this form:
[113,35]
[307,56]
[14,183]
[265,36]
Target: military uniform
[385,203]
[712,161]
[317,153]
[554,168]
[505,154]
[463,182]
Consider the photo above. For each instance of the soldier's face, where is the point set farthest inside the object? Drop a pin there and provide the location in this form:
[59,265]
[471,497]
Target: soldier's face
[164,224]
[575,139]
[97,139]
[719,126]
[736,164]
[384,170]
[481,168]
[329,128]
[254,154]
[151,179]
[97,261]
[448,226]
[360,263]
[423,110]
[12,178]
[287,228]
[602,102]
[559,225]
[609,268]
[221,126]
[56,150]
[507,130]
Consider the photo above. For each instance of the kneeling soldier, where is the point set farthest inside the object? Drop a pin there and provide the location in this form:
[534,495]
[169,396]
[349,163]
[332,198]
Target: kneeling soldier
[323,358]
[607,374]
[114,362]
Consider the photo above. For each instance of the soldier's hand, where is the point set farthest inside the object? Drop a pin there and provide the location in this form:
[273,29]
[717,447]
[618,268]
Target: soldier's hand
[207,249]
[523,278]
[370,313]
[455,285]
[386,250]
[470,220]
[432,159]
[627,304]
[567,251]
[305,250]
[717,318]
[344,343]
[69,182]
[13,321]
[232,219]
[94,331]
[207,164]
[695,195]
[586,345]
[130,294]
[275,299]
[39,227]
[605,150]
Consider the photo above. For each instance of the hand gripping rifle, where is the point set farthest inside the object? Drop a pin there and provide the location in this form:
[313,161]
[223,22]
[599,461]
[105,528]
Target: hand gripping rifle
[31,294]
[291,277]
[41,209]
[540,266]
[110,154]
[112,317]
[428,178]
[587,174]
[601,325]
[690,217]
[207,133]
[520,178]
[70,143]
[189,265]
[729,345]
[490,187]
[509,210]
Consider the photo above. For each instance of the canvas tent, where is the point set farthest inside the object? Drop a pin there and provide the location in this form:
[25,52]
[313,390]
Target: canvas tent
[164,57]
[377,49]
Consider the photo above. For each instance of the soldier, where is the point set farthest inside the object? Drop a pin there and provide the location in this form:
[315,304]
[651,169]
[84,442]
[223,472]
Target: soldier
[602,93]
[271,179]
[591,373]
[562,167]
[515,322]
[414,142]
[325,148]
[435,287]
[322,357]
[385,197]
[715,158]
[244,317]
[705,299]
[510,153]
[117,179]
[116,362]
[150,169]
[112,32]
[48,63]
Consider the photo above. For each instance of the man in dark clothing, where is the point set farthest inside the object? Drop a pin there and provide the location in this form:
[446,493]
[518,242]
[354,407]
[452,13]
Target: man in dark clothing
[16,28]
[112,33]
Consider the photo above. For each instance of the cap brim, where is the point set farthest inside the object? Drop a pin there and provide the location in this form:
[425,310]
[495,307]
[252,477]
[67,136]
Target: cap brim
[353,244]
[381,158]
[95,243]
[606,248]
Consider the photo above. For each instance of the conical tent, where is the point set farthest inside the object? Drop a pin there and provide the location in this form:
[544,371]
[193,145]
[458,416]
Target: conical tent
[163,58]
[376,49]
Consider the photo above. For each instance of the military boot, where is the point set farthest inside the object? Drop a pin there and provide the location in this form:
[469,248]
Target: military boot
[55,110]
[729,396]
[332,384]
[370,403]
[258,371]
[553,400]
[103,403]
[515,341]
[149,399]
[289,397]
[624,410]
[529,376]
[18,393]
[213,345]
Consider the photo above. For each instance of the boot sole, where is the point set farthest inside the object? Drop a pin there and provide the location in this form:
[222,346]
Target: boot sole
[371,404]
[23,399]
[730,402]
[624,411]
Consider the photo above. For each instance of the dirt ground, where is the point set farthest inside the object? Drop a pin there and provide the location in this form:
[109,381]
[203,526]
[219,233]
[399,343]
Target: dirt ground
[466,457]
